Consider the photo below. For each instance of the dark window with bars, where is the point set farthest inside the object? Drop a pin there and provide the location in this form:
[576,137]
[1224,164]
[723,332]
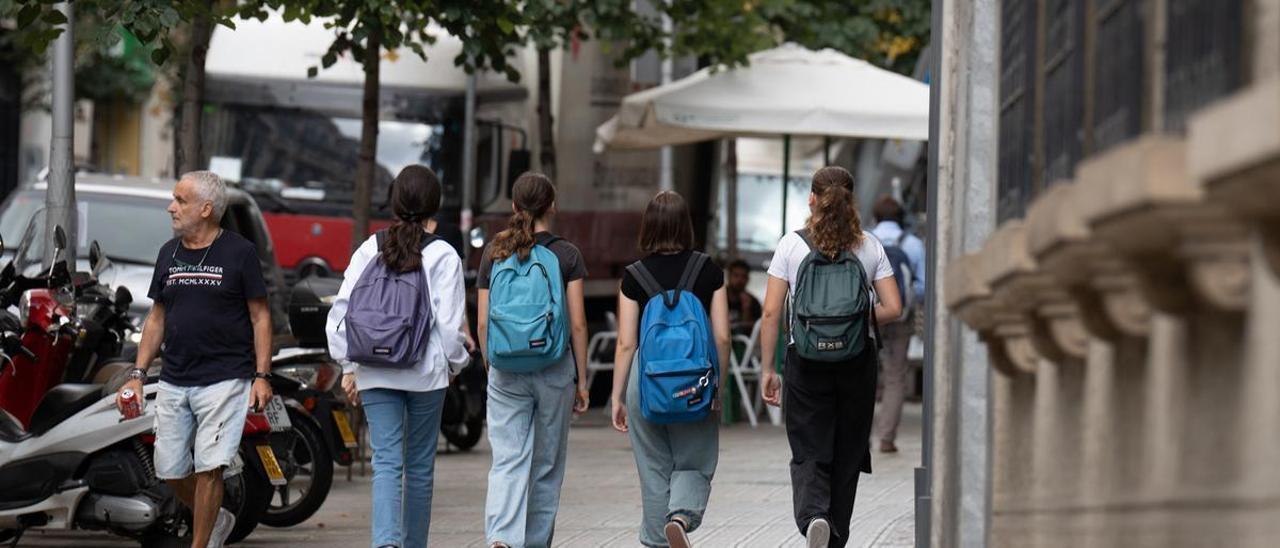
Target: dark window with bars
[1063,89]
[1118,72]
[1202,56]
[1017,107]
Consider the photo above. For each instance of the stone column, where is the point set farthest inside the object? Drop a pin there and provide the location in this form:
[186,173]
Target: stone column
[966,215]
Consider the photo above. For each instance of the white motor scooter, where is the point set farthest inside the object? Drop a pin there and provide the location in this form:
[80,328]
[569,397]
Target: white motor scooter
[80,466]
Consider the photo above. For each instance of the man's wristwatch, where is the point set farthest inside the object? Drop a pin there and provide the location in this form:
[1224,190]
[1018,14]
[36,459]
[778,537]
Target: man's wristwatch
[261,375]
[137,374]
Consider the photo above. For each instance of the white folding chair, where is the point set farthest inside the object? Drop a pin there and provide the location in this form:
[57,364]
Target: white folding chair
[596,362]
[747,368]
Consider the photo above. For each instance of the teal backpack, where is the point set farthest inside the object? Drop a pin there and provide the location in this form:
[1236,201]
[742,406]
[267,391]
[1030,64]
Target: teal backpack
[831,307]
[528,330]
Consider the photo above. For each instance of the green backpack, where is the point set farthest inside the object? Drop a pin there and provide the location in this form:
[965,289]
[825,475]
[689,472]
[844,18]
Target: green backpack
[831,307]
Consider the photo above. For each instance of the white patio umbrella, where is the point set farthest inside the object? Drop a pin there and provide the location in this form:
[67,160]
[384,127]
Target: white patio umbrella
[787,91]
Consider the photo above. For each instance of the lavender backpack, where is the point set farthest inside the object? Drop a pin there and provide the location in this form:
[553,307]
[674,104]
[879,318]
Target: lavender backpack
[389,315]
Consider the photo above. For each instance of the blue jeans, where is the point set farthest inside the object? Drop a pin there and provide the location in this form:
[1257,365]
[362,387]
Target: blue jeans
[529,433]
[403,427]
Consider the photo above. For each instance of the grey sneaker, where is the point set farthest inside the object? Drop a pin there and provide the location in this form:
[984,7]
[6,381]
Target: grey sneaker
[819,533]
[222,526]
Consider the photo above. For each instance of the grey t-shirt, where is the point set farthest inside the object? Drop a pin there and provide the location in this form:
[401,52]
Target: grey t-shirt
[572,266]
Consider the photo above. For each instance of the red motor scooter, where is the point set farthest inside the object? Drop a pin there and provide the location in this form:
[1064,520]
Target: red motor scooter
[46,321]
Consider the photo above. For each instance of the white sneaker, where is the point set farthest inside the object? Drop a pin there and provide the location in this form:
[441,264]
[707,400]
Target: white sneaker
[819,533]
[222,526]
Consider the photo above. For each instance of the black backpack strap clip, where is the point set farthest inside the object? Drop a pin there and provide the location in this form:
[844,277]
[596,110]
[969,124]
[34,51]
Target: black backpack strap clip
[650,284]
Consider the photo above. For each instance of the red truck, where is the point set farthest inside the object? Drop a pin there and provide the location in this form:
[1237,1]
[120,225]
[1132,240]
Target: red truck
[311,244]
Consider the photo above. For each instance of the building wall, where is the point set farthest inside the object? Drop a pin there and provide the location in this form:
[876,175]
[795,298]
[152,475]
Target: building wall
[1127,301]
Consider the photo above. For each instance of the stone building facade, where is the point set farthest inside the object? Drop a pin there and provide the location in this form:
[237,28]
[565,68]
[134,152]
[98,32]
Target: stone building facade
[1124,286]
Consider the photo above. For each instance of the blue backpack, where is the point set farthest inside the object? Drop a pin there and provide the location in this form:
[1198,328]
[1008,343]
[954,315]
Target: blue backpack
[901,265]
[527,325]
[389,315]
[679,370]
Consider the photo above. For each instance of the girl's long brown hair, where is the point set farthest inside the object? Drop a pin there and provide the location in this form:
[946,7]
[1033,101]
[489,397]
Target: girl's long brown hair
[533,194]
[415,197]
[834,225]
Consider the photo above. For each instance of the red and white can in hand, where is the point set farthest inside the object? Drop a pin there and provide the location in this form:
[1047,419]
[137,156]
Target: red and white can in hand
[130,404]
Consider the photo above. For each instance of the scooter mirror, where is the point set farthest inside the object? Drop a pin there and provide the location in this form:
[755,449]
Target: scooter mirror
[124,298]
[95,255]
[2,250]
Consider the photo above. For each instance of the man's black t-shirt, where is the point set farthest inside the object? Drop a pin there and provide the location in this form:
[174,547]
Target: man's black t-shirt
[208,335]
[667,269]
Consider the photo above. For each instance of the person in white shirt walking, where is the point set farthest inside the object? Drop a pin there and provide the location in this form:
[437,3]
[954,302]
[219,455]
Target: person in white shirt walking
[403,406]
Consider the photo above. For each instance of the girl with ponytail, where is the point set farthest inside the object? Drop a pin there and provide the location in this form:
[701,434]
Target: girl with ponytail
[829,404]
[526,475]
[403,406]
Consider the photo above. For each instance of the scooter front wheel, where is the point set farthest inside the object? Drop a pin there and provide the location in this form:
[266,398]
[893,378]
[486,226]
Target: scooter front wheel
[308,468]
[246,495]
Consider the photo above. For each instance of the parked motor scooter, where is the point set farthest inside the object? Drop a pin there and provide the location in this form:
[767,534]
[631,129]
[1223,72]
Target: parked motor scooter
[79,466]
[321,435]
[463,415]
[45,321]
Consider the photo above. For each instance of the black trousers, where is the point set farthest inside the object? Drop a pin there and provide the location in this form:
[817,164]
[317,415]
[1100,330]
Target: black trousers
[829,409]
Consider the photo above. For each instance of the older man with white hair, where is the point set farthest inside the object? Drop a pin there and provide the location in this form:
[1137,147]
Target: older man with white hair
[211,326]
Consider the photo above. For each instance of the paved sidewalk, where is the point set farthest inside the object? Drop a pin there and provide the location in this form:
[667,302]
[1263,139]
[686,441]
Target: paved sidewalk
[750,501]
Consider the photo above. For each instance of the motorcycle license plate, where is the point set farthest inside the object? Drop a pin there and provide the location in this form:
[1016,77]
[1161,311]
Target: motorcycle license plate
[344,429]
[271,465]
[277,415]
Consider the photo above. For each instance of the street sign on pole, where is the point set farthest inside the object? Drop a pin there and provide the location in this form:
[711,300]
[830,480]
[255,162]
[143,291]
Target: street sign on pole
[60,200]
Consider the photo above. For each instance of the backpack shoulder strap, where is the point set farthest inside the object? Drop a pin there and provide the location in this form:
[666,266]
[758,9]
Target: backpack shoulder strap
[692,269]
[804,235]
[429,240]
[647,282]
[546,239]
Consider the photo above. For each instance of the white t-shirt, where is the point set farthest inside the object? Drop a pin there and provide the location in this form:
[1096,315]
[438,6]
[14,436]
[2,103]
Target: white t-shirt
[792,250]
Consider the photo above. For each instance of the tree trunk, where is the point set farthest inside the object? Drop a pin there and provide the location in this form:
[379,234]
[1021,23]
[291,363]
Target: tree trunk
[367,166]
[546,125]
[193,93]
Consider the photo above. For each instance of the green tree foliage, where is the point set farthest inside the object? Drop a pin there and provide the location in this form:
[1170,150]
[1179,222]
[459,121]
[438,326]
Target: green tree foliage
[38,22]
[889,33]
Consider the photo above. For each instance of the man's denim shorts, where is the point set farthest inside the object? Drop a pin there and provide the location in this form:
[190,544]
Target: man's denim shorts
[198,427]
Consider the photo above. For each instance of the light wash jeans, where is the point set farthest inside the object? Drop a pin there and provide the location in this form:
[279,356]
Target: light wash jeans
[676,463]
[529,433]
[198,427]
[403,427]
